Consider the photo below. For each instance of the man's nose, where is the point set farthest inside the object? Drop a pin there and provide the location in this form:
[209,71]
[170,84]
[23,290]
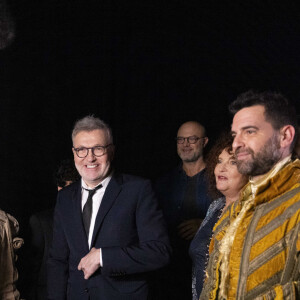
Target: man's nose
[186,141]
[237,142]
[90,155]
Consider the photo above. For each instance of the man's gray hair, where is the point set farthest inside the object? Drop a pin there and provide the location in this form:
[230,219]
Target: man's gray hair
[90,123]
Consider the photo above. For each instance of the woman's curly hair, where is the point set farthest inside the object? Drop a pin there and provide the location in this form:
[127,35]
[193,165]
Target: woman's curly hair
[224,142]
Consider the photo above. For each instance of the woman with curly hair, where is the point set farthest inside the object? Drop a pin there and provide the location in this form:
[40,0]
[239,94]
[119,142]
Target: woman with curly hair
[225,184]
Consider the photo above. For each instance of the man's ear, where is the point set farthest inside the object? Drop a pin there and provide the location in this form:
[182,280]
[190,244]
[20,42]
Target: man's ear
[287,135]
[205,141]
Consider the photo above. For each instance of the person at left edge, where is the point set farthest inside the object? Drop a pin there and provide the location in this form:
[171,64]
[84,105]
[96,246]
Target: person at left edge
[126,238]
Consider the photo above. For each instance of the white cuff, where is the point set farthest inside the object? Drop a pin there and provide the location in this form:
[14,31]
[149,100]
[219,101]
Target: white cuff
[101,262]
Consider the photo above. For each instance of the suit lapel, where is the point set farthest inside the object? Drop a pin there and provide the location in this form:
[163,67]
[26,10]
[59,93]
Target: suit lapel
[112,191]
[78,223]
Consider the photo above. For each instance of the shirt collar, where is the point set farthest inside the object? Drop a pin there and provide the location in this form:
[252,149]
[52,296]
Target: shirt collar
[257,183]
[181,170]
[104,183]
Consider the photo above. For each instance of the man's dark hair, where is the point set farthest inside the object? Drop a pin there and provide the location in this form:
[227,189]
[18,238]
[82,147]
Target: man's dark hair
[224,142]
[66,171]
[278,109]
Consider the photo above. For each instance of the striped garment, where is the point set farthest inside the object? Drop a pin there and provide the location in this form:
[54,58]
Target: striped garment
[254,253]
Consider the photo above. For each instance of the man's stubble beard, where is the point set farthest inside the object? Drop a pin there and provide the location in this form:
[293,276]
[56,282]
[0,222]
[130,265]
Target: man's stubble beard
[263,161]
[196,155]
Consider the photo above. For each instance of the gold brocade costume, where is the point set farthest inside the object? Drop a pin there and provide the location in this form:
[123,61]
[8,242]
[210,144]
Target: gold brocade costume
[254,253]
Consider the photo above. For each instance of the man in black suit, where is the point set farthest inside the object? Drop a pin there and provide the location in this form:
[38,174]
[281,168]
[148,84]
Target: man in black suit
[108,231]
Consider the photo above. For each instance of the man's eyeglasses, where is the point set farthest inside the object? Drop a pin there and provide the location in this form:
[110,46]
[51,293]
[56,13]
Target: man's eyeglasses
[83,152]
[190,139]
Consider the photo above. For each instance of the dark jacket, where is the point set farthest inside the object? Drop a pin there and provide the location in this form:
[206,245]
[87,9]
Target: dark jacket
[129,229]
[170,190]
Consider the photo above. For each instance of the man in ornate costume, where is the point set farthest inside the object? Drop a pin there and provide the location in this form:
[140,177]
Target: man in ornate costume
[9,228]
[254,253]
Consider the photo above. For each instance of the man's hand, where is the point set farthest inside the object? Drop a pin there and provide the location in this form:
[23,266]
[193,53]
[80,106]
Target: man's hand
[90,263]
[187,229]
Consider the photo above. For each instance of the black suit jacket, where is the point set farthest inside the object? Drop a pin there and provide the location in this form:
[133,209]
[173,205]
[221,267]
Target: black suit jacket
[129,229]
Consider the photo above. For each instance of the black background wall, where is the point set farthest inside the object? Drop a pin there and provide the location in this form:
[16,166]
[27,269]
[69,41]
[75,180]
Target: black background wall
[144,67]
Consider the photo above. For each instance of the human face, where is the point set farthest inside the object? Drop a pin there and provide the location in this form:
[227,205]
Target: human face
[256,143]
[191,152]
[228,179]
[91,168]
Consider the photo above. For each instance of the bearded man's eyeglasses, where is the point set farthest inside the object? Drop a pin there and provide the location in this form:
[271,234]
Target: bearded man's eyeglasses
[190,139]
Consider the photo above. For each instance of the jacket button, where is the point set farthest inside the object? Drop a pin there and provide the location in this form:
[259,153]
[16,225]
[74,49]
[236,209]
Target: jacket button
[86,290]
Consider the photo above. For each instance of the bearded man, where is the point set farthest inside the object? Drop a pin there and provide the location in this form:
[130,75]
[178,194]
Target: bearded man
[256,244]
[183,196]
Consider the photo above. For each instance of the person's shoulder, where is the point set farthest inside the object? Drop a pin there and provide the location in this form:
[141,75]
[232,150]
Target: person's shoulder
[125,179]
[68,193]
[294,167]
[70,189]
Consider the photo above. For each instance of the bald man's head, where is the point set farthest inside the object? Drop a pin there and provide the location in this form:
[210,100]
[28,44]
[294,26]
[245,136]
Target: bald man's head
[191,140]
[194,126]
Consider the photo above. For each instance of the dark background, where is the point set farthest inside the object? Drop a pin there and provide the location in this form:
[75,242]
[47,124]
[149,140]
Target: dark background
[142,66]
